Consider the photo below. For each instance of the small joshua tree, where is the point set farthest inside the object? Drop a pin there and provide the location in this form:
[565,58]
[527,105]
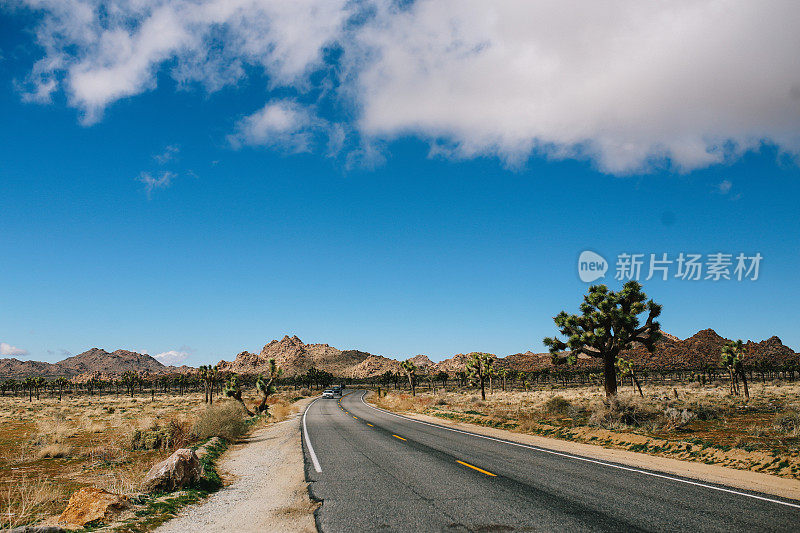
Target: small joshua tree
[625,368]
[233,390]
[265,385]
[732,358]
[608,324]
[479,369]
[410,369]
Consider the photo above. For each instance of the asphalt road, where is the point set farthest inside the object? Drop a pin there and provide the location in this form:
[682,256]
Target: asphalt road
[375,470]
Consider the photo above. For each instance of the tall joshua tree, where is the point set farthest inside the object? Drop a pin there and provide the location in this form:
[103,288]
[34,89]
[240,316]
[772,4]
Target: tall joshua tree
[265,385]
[233,390]
[410,369]
[732,359]
[29,384]
[479,369]
[61,383]
[608,324]
[208,376]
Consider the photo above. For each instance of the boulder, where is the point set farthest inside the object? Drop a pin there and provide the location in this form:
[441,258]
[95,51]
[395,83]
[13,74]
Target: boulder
[180,469]
[89,504]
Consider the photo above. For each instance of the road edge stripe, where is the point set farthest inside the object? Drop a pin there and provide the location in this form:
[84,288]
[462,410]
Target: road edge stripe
[308,440]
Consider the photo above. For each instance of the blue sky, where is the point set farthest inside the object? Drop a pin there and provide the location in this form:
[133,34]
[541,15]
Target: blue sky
[332,195]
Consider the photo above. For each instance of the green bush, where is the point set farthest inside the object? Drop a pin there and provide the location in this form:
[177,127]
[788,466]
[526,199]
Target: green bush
[224,419]
[557,405]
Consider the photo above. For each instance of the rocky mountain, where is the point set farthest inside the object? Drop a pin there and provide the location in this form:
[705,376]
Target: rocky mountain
[94,360]
[118,361]
[14,368]
[295,358]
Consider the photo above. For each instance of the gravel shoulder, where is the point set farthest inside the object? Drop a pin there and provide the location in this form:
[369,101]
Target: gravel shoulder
[265,486]
[742,479]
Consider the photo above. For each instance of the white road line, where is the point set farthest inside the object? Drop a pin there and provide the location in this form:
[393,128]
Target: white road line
[586,459]
[308,441]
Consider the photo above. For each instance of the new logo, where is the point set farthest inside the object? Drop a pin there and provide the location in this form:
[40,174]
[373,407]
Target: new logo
[591,266]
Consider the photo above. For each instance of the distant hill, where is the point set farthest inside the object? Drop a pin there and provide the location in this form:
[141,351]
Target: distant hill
[295,357]
[91,361]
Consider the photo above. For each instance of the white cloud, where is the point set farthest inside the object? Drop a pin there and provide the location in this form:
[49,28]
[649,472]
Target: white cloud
[282,123]
[724,187]
[173,357]
[101,55]
[631,85]
[626,83]
[169,153]
[7,349]
[152,183]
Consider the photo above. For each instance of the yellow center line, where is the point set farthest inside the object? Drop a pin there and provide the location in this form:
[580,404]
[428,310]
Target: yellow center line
[370,425]
[398,437]
[355,417]
[476,468]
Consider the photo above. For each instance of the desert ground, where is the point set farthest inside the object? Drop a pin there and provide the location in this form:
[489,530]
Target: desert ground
[50,448]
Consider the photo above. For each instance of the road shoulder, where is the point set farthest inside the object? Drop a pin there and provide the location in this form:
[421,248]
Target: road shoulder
[268,491]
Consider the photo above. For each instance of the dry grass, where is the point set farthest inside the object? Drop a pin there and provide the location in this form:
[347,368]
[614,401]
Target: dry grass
[703,423]
[25,500]
[86,440]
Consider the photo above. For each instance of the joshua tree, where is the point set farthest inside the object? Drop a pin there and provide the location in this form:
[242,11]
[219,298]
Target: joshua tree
[29,384]
[38,383]
[208,375]
[410,369]
[608,324]
[479,368]
[503,373]
[443,377]
[265,385]
[732,356]
[625,368]
[129,380]
[61,383]
[232,390]
[461,376]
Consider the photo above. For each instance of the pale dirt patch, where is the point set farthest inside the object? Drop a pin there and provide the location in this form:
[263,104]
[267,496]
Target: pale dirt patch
[267,490]
[754,481]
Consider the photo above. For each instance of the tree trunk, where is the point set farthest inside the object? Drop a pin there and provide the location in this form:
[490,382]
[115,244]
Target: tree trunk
[744,382]
[610,375]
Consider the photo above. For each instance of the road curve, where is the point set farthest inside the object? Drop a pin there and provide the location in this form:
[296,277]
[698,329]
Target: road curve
[375,470]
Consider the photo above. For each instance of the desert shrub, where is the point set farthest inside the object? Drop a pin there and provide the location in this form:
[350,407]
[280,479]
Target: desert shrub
[280,411]
[677,418]
[705,411]
[223,419]
[54,451]
[305,392]
[109,409]
[441,401]
[788,423]
[694,385]
[623,411]
[557,405]
[173,435]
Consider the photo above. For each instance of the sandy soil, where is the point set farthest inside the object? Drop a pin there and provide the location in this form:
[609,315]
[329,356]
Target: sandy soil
[267,490]
[754,481]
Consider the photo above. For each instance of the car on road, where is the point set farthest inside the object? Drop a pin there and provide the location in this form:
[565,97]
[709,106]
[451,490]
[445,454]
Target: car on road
[328,393]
